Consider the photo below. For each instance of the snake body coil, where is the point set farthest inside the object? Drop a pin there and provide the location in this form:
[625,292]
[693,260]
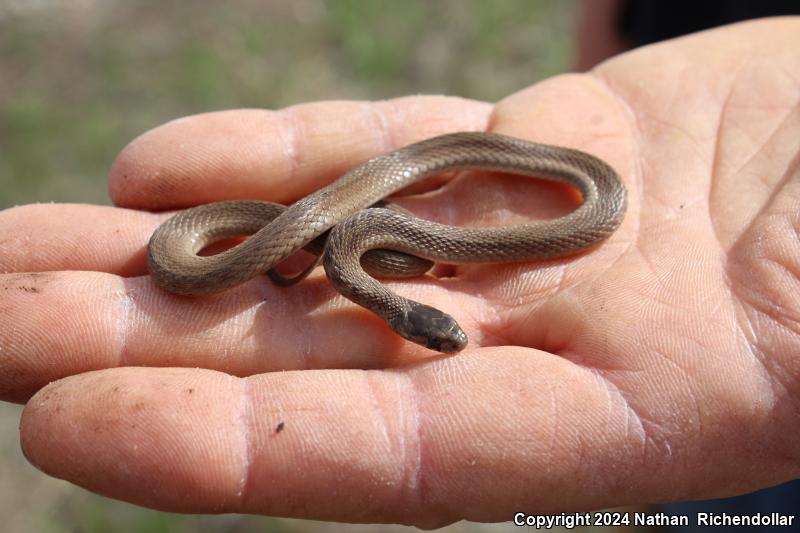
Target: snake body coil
[392,243]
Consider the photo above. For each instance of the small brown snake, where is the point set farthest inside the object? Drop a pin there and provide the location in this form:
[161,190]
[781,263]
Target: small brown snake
[393,243]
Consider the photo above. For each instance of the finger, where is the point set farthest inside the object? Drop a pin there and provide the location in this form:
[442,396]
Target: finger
[476,437]
[57,324]
[275,155]
[48,237]
[53,237]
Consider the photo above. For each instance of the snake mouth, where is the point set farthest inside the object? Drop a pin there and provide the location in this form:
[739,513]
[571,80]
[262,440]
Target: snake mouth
[431,328]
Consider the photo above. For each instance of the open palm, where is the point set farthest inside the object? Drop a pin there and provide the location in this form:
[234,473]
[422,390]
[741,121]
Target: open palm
[660,366]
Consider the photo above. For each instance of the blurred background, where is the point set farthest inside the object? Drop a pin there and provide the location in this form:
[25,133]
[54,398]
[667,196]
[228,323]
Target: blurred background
[80,78]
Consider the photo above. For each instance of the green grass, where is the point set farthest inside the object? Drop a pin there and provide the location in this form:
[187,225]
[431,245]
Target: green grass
[78,84]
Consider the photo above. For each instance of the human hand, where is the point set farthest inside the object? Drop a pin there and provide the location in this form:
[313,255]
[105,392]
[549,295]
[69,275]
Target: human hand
[657,367]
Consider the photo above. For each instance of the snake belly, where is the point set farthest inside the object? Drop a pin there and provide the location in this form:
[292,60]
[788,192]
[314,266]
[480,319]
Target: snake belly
[387,242]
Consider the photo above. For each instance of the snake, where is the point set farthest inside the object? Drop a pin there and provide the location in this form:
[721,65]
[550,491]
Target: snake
[359,236]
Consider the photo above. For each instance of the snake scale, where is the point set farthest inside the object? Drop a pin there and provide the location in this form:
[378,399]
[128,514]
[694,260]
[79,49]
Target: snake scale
[357,235]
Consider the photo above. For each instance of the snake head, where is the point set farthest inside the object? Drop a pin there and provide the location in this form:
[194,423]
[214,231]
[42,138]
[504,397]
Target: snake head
[432,328]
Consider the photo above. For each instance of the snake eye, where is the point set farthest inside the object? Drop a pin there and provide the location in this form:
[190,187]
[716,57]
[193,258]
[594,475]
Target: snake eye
[433,329]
